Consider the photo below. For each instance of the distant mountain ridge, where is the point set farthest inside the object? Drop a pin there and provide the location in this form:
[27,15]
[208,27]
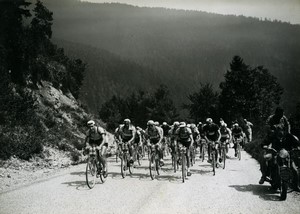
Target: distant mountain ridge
[182,47]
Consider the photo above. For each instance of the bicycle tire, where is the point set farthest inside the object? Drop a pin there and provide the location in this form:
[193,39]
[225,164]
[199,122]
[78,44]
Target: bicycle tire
[102,176]
[203,153]
[123,166]
[224,157]
[152,166]
[239,152]
[183,165]
[213,162]
[91,173]
[174,162]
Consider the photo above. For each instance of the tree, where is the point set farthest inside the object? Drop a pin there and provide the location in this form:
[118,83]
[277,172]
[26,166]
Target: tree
[204,103]
[12,34]
[248,92]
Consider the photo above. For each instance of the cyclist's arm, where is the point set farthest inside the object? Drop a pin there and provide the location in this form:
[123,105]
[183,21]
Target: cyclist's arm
[133,136]
[219,135]
[160,136]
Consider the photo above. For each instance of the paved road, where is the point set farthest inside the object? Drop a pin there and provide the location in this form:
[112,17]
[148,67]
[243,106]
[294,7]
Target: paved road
[233,190]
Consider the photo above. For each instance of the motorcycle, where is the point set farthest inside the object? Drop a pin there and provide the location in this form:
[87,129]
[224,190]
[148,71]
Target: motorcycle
[280,170]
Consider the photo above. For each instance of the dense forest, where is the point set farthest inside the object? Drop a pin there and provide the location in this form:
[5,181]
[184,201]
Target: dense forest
[180,48]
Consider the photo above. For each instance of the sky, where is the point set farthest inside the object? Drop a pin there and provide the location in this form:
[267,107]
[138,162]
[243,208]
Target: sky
[284,10]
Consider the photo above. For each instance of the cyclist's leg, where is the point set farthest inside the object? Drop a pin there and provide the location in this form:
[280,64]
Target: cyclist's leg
[103,156]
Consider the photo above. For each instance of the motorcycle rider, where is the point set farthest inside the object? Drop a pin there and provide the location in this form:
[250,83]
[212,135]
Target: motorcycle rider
[278,127]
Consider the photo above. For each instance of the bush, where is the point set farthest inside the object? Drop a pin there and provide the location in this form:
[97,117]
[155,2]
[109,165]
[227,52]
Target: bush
[22,142]
[254,148]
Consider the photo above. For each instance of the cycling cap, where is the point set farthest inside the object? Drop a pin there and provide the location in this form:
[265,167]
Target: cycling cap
[193,126]
[176,123]
[90,123]
[209,120]
[182,124]
[224,124]
[156,123]
[235,124]
[127,120]
[150,122]
[165,123]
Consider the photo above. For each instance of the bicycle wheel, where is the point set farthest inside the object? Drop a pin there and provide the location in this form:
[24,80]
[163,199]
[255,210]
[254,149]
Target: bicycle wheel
[224,156]
[203,153]
[131,168]
[239,151]
[157,167]
[183,167]
[103,175]
[213,162]
[123,165]
[91,173]
[174,162]
[152,166]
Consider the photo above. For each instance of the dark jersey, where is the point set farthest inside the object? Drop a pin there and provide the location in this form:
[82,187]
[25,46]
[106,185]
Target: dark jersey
[211,131]
[166,129]
[237,132]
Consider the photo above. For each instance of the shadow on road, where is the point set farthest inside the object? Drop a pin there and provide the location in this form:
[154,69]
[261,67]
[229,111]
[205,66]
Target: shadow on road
[264,192]
[79,185]
[201,172]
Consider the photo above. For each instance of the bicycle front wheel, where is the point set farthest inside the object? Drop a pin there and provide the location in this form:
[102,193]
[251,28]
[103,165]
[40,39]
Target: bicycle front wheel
[183,167]
[213,162]
[152,166]
[203,153]
[91,173]
[239,151]
[123,166]
[224,157]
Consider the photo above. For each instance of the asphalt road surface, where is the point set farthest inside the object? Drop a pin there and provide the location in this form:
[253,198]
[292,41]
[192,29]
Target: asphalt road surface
[232,190]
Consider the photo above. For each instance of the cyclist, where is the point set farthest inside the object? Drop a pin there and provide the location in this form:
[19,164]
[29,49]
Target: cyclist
[201,134]
[211,134]
[166,128]
[155,136]
[237,132]
[196,134]
[96,135]
[225,135]
[184,136]
[248,130]
[172,134]
[126,134]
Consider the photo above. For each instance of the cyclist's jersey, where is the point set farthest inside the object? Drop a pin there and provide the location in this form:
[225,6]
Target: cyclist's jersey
[96,133]
[127,133]
[138,137]
[225,133]
[166,129]
[153,134]
[184,134]
[201,131]
[195,132]
[211,131]
[237,132]
[172,132]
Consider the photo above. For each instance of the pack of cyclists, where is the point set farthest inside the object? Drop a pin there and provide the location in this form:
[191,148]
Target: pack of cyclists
[180,134]
[165,136]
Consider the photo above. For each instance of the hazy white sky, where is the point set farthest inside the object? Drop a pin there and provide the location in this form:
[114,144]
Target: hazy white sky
[284,10]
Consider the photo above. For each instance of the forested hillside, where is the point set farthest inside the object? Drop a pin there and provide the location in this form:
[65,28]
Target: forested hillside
[183,48]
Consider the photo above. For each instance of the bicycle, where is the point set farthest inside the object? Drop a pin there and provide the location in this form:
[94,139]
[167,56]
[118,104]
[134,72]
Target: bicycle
[223,151]
[94,168]
[213,154]
[238,141]
[183,151]
[154,161]
[125,156]
[174,154]
[139,153]
[203,148]
[192,155]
